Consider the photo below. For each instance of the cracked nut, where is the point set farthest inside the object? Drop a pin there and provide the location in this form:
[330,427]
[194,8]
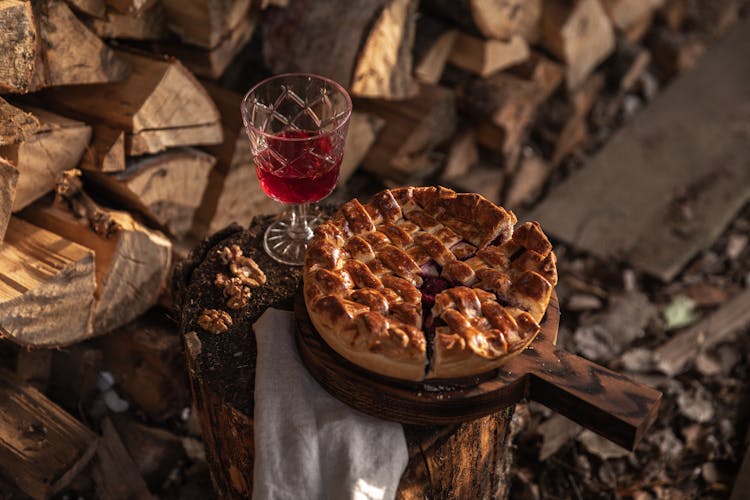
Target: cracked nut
[215,321]
[242,267]
[238,294]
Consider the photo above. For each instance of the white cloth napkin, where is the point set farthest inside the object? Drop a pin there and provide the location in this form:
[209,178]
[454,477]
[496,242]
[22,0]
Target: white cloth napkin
[308,444]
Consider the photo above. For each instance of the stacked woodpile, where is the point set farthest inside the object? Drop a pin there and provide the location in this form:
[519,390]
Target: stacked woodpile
[121,142]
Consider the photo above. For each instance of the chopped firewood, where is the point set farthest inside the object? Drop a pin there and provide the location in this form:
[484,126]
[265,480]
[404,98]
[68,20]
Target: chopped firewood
[545,73]
[57,145]
[211,63]
[413,129]
[578,33]
[132,7]
[74,374]
[42,448]
[160,105]
[233,193]
[484,179]
[674,13]
[149,25]
[145,357]
[204,23]
[629,64]
[93,8]
[675,52]
[506,106]
[363,130]
[69,52]
[432,46]
[372,57]
[156,452]
[8,182]
[131,262]
[714,17]
[638,29]
[115,474]
[463,153]
[165,188]
[492,19]
[528,179]
[16,125]
[626,13]
[62,280]
[106,153]
[680,351]
[19,41]
[485,57]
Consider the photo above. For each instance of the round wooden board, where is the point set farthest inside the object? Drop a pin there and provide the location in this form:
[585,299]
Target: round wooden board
[432,402]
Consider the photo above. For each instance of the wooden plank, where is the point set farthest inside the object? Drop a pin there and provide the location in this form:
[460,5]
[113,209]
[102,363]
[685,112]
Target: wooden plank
[46,281]
[665,187]
[674,356]
[42,448]
[114,472]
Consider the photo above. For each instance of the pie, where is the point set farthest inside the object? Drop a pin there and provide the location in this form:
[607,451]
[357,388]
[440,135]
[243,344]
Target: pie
[426,283]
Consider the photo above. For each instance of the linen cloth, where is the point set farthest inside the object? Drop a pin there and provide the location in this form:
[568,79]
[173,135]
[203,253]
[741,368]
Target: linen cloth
[308,444]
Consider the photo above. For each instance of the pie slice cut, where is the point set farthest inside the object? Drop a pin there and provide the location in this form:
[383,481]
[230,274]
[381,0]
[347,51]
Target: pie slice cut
[428,283]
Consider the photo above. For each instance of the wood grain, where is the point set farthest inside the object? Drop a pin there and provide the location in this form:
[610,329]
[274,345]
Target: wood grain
[604,401]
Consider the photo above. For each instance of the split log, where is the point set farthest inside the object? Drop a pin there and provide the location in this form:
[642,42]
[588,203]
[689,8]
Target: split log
[363,130]
[145,356]
[57,145]
[463,153]
[93,8]
[44,45]
[630,63]
[490,18]
[625,14]
[204,23]
[484,57]
[59,291]
[528,180]
[714,17]
[676,355]
[233,193]
[433,43]
[133,7]
[8,182]
[675,52]
[165,188]
[149,25]
[544,72]
[42,448]
[578,33]
[483,178]
[115,475]
[372,56]
[211,63]
[468,460]
[131,262]
[106,153]
[15,124]
[403,151]
[674,13]
[160,105]
[505,106]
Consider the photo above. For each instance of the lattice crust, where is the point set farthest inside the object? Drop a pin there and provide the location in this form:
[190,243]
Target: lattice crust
[373,271]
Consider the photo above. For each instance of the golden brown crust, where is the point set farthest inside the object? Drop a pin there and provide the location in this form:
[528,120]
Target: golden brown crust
[364,269]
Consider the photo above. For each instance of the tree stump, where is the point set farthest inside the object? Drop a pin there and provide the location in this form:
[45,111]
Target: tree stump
[467,460]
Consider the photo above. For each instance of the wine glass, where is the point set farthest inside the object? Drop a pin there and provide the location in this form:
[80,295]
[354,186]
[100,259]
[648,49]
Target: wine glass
[297,124]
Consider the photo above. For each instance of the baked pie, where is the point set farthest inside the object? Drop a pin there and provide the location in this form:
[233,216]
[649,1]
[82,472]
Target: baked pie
[426,283]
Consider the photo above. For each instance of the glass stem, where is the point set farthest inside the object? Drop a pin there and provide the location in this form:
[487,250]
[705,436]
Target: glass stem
[299,229]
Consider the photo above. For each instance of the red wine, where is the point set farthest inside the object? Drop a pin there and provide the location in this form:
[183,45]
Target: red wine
[299,171]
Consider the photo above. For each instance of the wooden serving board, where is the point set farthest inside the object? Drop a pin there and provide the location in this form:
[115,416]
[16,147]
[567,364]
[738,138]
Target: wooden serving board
[595,397]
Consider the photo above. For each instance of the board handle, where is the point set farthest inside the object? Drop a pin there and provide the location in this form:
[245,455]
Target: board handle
[603,401]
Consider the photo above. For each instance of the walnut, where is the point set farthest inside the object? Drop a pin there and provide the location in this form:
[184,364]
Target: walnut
[244,268]
[215,321]
[229,254]
[238,293]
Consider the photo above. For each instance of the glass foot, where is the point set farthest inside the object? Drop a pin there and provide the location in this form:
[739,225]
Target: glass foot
[285,245]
